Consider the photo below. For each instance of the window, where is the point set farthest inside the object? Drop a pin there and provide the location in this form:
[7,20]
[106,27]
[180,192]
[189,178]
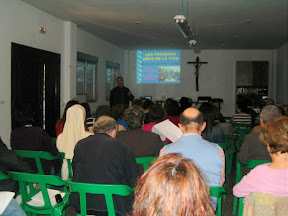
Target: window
[87,76]
[112,72]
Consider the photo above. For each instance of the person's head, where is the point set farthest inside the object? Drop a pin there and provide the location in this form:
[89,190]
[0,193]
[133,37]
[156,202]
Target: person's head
[269,101]
[173,108]
[242,106]
[269,113]
[137,102]
[172,185]
[184,103]
[134,117]
[119,81]
[102,110]
[87,109]
[209,112]
[146,104]
[192,121]
[68,105]
[118,111]
[105,124]
[76,114]
[274,134]
[23,117]
[156,113]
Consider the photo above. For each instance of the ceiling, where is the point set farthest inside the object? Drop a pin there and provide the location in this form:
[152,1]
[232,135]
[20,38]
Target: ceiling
[149,24]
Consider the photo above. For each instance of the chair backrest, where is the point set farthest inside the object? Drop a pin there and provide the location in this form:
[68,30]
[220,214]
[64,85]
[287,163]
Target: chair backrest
[26,181]
[218,193]
[145,161]
[37,156]
[107,190]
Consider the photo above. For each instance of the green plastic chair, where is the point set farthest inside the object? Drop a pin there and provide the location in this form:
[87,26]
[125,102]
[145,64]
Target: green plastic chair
[217,192]
[37,156]
[145,161]
[26,180]
[106,190]
[249,164]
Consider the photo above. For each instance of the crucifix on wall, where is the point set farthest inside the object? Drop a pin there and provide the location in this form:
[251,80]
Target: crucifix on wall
[197,65]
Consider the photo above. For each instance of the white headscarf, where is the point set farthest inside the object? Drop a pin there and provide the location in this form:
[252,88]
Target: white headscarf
[74,130]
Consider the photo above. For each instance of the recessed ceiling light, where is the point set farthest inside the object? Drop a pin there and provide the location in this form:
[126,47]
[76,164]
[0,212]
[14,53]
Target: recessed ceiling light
[136,23]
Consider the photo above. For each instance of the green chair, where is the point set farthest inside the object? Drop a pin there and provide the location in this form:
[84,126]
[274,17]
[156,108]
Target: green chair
[37,156]
[217,192]
[106,190]
[249,164]
[145,161]
[27,191]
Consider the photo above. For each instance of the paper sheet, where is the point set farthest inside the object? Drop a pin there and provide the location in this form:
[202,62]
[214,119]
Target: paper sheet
[37,199]
[168,129]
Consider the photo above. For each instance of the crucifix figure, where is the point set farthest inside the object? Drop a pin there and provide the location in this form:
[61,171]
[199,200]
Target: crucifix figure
[197,65]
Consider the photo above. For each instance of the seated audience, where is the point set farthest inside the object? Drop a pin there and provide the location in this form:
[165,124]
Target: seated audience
[213,132]
[173,112]
[31,138]
[252,148]
[118,115]
[172,185]
[89,119]
[102,159]
[142,143]
[207,156]
[9,161]
[137,102]
[241,116]
[74,130]
[60,122]
[270,178]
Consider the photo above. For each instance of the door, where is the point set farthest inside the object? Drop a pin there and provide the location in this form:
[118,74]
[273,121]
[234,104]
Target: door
[35,83]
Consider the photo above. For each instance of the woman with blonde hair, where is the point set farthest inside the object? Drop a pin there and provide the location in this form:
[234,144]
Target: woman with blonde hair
[74,130]
[172,186]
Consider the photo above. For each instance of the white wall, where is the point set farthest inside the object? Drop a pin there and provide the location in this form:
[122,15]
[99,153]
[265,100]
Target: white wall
[89,44]
[216,79]
[20,24]
[282,75]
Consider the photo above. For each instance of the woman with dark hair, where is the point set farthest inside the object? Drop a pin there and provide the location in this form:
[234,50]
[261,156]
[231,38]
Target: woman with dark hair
[60,122]
[89,119]
[173,111]
[213,132]
[184,103]
[156,115]
[32,138]
[172,185]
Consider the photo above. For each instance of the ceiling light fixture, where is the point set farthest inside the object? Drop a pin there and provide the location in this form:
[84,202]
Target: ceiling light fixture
[183,26]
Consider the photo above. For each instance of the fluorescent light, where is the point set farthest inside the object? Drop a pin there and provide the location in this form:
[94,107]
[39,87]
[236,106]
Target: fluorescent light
[183,26]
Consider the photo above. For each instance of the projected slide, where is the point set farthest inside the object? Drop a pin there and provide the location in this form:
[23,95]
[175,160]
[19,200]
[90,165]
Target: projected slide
[158,66]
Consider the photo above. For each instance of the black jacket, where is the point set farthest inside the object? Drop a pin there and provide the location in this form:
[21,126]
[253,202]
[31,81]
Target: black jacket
[120,96]
[101,159]
[9,161]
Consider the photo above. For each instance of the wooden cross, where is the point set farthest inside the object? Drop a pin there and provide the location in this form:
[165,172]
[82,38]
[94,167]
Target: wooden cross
[197,65]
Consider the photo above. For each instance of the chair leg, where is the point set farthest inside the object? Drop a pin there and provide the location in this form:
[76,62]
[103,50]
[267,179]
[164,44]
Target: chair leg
[235,205]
